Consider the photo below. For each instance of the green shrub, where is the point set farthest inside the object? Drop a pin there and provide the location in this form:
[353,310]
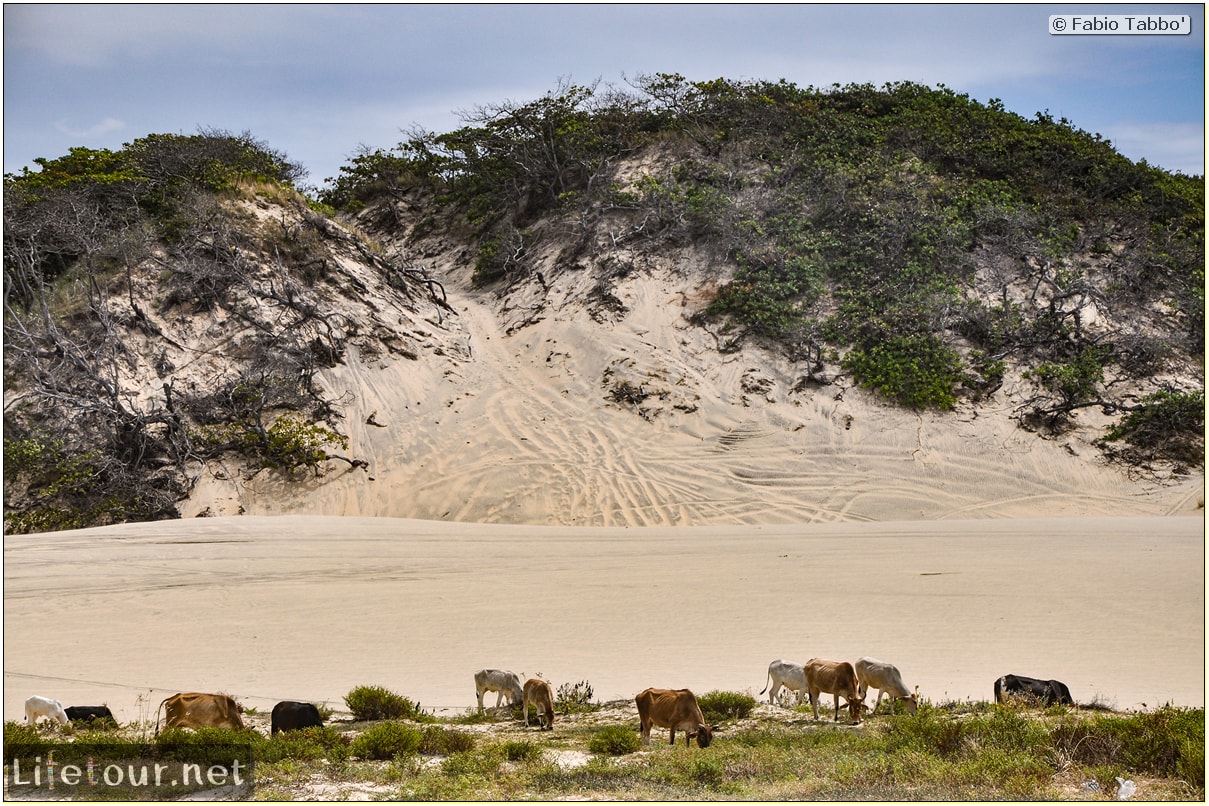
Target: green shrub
[22,740]
[1166,742]
[308,744]
[717,706]
[1167,425]
[375,702]
[292,442]
[386,740]
[574,698]
[1076,380]
[521,751]
[929,731]
[65,489]
[614,740]
[706,772]
[914,370]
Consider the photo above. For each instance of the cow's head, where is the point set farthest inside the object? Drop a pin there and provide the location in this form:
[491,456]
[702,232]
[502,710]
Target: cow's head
[912,703]
[855,706]
[705,735]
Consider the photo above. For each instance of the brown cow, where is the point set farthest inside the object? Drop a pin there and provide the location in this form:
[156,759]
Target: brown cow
[672,709]
[196,710]
[538,694]
[834,677]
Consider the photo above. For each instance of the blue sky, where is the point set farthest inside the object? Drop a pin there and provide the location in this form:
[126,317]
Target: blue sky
[319,81]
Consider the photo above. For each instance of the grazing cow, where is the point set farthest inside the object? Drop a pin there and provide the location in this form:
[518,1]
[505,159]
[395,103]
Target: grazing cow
[501,682]
[290,715]
[1051,692]
[89,713]
[672,709]
[196,710]
[538,694]
[790,675]
[837,678]
[36,707]
[886,679]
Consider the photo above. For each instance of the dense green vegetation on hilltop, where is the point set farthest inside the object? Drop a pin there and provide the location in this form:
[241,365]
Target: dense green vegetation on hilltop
[919,236]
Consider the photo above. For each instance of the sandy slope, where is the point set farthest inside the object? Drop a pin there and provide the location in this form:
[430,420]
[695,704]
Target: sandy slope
[516,424]
[308,607]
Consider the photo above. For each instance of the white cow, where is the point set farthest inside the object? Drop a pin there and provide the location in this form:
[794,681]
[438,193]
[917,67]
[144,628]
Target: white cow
[790,675]
[36,707]
[504,683]
[886,679]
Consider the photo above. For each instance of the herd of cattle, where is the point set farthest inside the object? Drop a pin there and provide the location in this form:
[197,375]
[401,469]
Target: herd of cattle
[674,709]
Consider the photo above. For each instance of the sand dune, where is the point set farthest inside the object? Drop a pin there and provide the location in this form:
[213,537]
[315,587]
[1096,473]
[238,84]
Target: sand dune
[517,512]
[269,608]
[516,423]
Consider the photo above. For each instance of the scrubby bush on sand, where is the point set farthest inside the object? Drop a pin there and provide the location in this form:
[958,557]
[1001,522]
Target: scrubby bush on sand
[376,702]
[717,706]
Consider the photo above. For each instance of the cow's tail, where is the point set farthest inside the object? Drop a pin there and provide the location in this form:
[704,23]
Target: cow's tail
[767,681]
[157,715]
[999,684]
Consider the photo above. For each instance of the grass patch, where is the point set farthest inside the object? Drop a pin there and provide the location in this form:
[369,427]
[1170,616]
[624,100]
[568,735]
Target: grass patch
[947,751]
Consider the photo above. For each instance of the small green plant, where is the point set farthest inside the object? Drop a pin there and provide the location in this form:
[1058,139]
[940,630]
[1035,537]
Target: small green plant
[292,442]
[375,702]
[717,706]
[614,740]
[522,751]
[914,370]
[574,698]
[1076,381]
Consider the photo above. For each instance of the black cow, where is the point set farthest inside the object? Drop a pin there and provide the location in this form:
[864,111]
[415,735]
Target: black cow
[1051,692]
[290,715]
[89,713]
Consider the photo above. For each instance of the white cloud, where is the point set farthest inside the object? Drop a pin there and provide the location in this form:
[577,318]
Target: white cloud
[101,35]
[1172,146]
[96,130]
[318,79]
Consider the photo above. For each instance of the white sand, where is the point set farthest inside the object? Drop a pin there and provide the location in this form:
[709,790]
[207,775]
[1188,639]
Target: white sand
[735,519]
[308,607]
